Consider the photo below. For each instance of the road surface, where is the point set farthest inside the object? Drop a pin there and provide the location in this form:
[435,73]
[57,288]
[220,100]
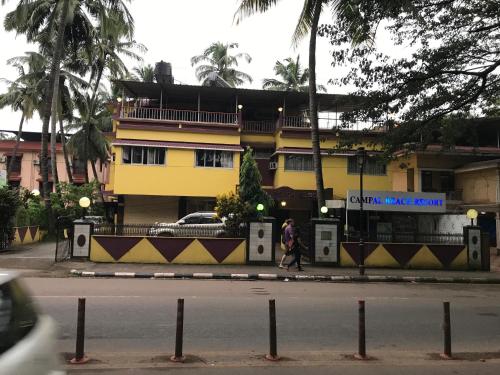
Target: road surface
[134,315]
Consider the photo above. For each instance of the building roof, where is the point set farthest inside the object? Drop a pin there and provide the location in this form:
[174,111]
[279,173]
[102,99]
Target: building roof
[30,136]
[456,150]
[327,102]
[479,165]
[24,146]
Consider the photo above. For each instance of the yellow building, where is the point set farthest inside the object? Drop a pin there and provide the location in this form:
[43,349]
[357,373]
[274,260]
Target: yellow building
[176,147]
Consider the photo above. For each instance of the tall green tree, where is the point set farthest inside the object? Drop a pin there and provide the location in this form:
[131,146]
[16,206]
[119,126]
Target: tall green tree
[112,39]
[23,95]
[307,23]
[52,20]
[88,143]
[69,84]
[250,186]
[144,73]
[452,73]
[218,59]
[293,77]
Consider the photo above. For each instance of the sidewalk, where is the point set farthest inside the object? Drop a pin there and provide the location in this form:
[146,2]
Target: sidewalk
[37,260]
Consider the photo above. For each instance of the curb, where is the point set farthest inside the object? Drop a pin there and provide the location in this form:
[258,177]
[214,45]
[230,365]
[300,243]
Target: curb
[276,277]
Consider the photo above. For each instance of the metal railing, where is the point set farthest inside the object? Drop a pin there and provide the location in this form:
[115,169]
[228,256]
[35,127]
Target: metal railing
[410,237]
[266,127]
[5,238]
[147,113]
[327,122]
[123,230]
[162,230]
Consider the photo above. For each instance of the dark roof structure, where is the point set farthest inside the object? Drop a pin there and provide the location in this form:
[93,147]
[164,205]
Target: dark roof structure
[327,102]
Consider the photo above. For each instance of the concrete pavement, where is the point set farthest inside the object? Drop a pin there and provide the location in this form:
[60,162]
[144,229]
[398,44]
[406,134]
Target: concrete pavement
[37,260]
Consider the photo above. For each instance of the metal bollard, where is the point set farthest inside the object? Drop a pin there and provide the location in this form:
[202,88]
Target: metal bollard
[273,350]
[178,357]
[80,357]
[361,332]
[447,331]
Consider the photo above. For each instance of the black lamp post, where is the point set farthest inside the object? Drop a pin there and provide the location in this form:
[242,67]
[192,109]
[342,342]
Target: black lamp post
[361,156]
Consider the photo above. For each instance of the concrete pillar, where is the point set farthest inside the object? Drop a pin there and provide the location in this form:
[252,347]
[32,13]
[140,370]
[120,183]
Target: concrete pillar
[497,221]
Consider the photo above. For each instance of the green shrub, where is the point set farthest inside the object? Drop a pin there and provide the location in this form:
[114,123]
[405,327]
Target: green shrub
[22,217]
[235,210]
[9,203]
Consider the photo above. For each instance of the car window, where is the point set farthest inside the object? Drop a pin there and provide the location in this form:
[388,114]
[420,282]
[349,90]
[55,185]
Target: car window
[210,220]
[17,314]
[192,219]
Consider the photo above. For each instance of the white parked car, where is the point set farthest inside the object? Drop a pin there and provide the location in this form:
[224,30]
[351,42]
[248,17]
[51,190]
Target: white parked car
[27,338]
[197,224]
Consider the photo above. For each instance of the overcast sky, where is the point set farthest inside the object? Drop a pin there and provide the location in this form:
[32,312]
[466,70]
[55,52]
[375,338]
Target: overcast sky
[174,31]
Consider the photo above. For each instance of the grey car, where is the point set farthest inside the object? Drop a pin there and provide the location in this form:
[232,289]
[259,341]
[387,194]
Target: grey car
[197,224]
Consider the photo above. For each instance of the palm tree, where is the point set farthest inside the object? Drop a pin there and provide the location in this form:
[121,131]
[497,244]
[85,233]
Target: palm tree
[145,73]
[111,41]
[22,95]
[307,23]
[45,20]
[221,63]
[294,78]
[68,83]
[88,143]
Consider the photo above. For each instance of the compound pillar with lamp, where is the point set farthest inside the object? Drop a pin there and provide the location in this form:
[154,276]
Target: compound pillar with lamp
[82,232]
[260,240]
[477,244]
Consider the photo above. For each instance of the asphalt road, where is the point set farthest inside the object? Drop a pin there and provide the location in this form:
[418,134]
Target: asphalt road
[134,315]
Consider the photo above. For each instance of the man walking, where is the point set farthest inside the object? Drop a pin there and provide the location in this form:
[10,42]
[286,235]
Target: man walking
[296,245]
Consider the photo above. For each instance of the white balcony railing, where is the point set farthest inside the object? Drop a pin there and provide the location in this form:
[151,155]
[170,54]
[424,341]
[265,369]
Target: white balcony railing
[265,127]
[178,115]
[329,122]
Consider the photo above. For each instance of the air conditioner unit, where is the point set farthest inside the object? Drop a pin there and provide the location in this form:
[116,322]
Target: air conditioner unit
[273,165]
[36,162]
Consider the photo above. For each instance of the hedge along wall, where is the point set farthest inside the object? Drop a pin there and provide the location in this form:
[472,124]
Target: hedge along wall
[180,250]
[405,255]
[25,235]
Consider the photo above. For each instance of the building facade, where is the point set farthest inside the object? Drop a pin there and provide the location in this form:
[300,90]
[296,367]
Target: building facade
[177,147]
[26,171]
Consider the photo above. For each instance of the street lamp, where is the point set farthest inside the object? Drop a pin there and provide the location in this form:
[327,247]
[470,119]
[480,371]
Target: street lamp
[283,203]
[324,210]
[361,159]
[84,203]
[472,214]
[260,207]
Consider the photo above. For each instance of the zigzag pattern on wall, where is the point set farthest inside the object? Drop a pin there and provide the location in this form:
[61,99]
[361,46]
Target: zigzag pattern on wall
[167,250]
[25,235]
[405,255]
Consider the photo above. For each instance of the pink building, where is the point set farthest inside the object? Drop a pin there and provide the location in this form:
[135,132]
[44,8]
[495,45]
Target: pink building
[26,170]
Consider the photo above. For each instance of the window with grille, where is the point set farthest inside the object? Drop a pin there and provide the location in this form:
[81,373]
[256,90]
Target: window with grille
[214,159]
[373,166]
[143,155]
[299,163]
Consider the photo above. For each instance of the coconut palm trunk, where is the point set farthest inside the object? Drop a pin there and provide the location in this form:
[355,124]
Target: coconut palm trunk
[87,127]
[55,66]
[16,147]
[53,130]
[94,171]
[313,107]
[65,152]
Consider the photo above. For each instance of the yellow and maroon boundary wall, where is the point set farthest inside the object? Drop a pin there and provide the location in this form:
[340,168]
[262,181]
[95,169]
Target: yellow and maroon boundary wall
[405,255]
[25,235]
[120,249]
